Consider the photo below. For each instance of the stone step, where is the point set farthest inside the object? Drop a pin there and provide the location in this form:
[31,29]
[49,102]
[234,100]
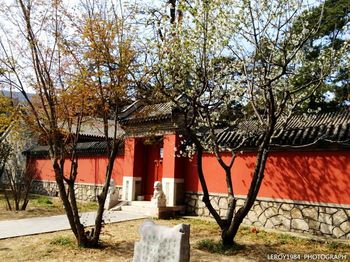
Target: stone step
[161,212]
[140,203]
[136,209]
[118,207]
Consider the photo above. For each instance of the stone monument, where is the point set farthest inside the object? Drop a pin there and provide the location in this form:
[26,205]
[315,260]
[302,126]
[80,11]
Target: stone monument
[159,198]
[112,196]
[162,243]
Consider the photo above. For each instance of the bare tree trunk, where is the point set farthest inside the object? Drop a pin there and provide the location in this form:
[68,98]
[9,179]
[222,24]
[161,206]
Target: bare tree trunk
[229,227]
[229,234]
[27,187]
[7,200]
[206,197]
[64,197]
[84,239]
[103,195]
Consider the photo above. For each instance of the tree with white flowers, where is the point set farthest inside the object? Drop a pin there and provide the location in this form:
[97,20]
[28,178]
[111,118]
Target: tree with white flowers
[232,61]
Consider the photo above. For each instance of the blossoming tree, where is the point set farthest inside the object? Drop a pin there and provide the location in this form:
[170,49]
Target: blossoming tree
[231,61]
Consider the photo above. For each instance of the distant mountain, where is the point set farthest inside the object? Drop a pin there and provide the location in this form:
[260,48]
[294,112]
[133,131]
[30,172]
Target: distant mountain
[16,95]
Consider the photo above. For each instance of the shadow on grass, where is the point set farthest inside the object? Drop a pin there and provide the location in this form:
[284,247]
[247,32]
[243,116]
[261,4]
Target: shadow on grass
[266,251]
[125,248]
[255,252]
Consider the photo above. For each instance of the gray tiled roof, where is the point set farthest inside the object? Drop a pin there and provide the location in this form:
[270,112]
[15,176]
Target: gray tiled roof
[149,113]
[301,130]
[94,127]
[86,148]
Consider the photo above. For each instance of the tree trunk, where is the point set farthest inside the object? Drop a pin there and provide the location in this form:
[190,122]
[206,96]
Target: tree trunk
[7,200]
[63,195]
[102,197]
[230,226]
[229,235]
[227,238]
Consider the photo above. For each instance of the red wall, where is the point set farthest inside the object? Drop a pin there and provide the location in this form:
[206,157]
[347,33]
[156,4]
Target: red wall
[304,176]
[90,170]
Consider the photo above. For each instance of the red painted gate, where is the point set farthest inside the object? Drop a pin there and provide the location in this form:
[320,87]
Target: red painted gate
[153,169]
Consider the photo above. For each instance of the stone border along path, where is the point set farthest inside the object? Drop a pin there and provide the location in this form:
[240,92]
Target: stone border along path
[38,225]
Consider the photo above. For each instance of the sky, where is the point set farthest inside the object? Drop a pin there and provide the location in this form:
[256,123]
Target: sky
[71,3]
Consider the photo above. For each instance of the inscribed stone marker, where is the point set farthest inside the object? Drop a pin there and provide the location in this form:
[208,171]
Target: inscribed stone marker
[162,243]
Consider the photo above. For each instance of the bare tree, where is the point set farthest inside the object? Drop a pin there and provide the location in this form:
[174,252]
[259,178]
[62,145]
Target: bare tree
[5,153]
[18,185]
[6,110]
[16,178]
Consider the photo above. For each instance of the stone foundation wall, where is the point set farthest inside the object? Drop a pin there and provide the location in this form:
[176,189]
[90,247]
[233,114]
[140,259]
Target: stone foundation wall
[318,219]
[84,192]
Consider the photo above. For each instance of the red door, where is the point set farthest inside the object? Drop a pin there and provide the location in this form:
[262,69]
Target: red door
[153,169]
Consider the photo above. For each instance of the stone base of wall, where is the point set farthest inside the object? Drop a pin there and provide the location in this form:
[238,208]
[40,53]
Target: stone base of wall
[84,192]
[318,219]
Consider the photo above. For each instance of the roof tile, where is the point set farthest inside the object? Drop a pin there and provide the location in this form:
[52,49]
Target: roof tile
[301,129]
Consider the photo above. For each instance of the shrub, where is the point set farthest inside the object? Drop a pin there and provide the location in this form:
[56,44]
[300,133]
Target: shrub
[62,241]
[217,247]
[44,200]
